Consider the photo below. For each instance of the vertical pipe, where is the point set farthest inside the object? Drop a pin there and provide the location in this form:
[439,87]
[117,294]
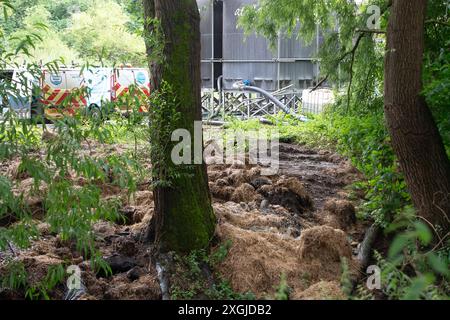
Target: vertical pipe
[278,60]
[212,54]
[317,52]
[212,44]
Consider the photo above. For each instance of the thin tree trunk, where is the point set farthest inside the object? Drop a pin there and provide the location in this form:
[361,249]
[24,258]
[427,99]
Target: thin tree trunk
[415,137]
[183,218]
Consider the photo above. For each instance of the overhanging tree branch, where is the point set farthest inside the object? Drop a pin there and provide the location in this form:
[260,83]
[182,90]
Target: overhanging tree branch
[353,53]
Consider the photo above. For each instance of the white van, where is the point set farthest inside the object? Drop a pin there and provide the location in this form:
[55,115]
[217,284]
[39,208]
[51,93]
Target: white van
[99,88]
[106,85]
[62,92]
[124,78]
[67,90]
[18,87]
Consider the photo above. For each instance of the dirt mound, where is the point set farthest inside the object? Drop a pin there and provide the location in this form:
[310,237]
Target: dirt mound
[37,267]
[277,232]
[221,192]
[142,198]
[237,177]
[323,290]
[144,288]
[250,220]
[274,219]
[345,172]
[244,193]
[340,214]
[325,244]
[289,193]
[264,248]
[244,185]
[256,261]
[270,220]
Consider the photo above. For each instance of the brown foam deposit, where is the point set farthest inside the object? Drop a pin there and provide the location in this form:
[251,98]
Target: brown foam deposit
[261,252]
[325,244]
[340,213]
[244,193]
[323,290]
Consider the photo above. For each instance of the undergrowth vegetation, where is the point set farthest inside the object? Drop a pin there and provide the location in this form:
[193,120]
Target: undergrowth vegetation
[411,269]
[194,279]
[69,168]
[68,171]
[66,166]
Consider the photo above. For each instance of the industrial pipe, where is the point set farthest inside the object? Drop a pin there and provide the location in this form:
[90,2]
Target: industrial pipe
[241,85]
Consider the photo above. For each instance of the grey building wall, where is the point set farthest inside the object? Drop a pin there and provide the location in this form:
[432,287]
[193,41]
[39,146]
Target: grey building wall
[250,57]
[206,11]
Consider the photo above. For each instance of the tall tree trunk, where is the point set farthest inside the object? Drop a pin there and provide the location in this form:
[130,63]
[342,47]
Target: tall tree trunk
[415,137]
[184,219]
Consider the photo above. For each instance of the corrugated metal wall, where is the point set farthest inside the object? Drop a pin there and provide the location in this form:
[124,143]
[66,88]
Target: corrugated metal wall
[206,13]
[239,57]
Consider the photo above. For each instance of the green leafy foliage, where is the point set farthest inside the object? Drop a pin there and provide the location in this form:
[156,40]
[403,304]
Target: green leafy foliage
[411,274]
[283,289]
[47,42]
[164,120]
[16,276]
[54,158]
[192,277]
[70,209]
[360,62]
[100,35]
[76,31]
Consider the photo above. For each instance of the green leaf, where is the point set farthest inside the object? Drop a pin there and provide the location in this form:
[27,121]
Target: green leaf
[438,264]
[397,246]
[423,233]
[418,287]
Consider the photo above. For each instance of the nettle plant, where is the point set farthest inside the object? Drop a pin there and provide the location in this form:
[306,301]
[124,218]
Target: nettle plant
[67,173]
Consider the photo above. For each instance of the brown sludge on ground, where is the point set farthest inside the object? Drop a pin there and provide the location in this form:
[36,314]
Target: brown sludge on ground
[299,223]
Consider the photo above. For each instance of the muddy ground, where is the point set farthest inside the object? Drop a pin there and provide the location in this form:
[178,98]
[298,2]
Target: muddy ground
[298,224]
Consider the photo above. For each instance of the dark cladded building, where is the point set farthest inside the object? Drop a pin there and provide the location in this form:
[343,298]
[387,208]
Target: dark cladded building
[227,52]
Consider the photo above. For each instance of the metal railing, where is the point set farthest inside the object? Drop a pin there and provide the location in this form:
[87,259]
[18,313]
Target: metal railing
[217,105]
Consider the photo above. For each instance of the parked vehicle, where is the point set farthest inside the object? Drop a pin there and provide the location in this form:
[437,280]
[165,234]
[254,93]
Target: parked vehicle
[69,90]
[63,92]
[99,92]
[126,81]
[17,86]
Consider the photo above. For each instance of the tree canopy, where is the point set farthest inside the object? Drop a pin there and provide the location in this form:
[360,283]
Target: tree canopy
[78,30]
